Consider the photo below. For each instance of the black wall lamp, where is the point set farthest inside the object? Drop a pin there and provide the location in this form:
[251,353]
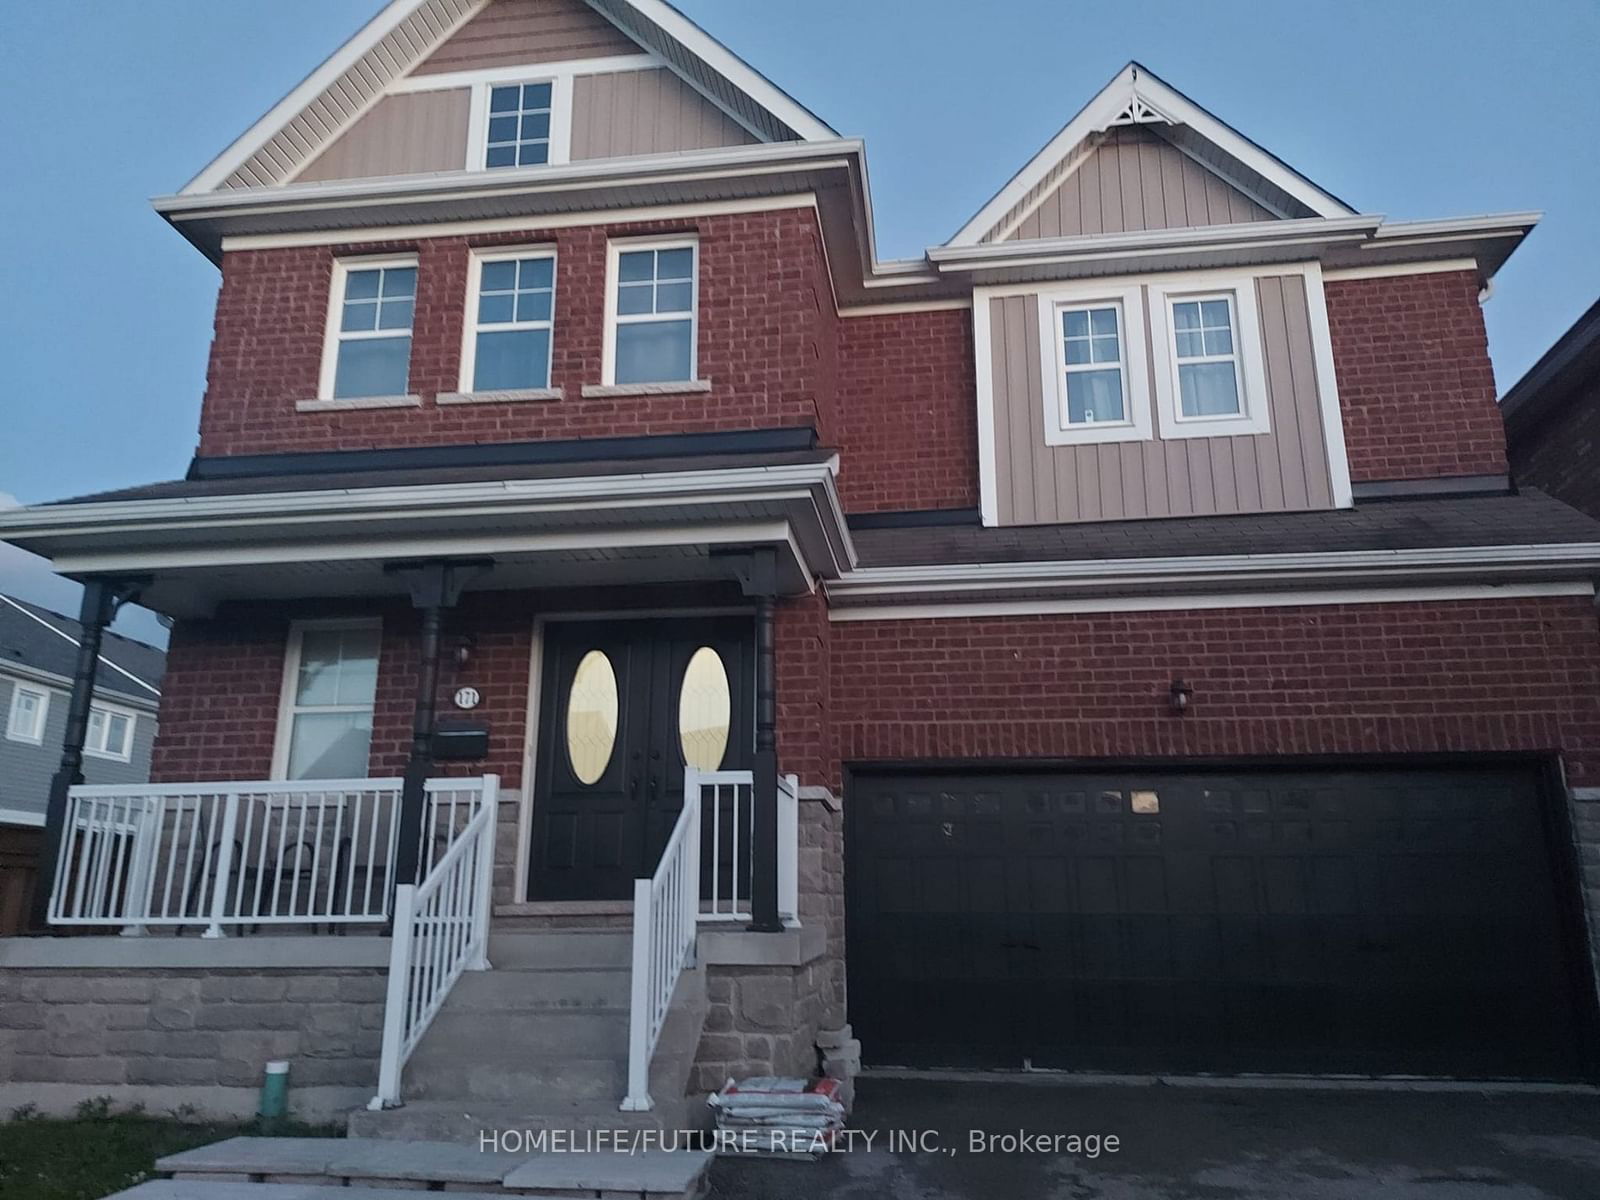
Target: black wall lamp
[1179,695]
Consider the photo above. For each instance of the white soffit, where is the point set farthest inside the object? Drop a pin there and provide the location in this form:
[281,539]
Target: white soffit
[361,72]
[1136,97]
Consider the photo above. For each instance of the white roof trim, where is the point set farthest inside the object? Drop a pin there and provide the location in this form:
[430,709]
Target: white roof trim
[734,69]
[313,85]
[713,53]
[1137,91]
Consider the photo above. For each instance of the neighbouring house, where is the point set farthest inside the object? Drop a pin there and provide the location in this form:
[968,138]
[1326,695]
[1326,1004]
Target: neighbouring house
[38,650]
[1552,418]
[668,641]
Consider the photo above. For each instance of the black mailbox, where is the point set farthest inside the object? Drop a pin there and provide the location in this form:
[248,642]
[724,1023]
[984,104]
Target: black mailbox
[461,741]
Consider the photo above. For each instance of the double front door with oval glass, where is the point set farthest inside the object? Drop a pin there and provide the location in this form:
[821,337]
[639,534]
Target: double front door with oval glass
[624,706]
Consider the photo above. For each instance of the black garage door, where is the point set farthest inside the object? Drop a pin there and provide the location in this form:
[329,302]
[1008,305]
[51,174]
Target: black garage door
[1360,921]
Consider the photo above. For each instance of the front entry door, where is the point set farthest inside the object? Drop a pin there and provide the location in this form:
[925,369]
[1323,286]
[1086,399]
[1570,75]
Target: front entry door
[624,704]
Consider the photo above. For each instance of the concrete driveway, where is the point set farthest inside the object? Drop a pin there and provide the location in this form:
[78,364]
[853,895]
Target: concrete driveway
[1182,1142]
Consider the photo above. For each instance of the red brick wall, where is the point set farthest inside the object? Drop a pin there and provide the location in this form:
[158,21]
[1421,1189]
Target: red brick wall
[1515,674]
[766,342]
[1560,453]
[1415,380]
[908,414]
[219,700]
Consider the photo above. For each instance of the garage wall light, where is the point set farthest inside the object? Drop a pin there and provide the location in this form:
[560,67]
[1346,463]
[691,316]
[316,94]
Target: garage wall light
[1179,696]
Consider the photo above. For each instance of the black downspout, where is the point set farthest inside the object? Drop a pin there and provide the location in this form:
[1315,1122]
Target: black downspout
[764,800]
[101,600]
[435,586]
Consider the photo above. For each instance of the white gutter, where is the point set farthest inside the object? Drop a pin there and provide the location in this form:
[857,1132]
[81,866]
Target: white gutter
[1576,560]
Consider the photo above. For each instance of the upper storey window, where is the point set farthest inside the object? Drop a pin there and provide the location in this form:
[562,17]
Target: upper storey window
[650,331]
[1095,382]
[1091,341]
[368,352]
[1207,358]
[519,125]
[508,340]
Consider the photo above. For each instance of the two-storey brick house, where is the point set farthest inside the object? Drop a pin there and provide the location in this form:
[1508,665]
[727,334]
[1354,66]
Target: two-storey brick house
[1113,634]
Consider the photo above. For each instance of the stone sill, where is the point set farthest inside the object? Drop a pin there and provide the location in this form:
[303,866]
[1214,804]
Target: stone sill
[738,947]
[193,952]
[682,387]
[352,403]
[510,396]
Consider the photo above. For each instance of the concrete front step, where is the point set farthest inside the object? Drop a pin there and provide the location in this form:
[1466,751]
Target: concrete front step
[197,1189]
[512,989]
[306,1167]
[578,948]
[466,1123]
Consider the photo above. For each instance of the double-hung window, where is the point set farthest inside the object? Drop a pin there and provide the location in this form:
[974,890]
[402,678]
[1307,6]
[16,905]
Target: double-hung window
[519,125]
[369,339]
[329,690]
[513,306]
[110,734]
[1210,372]
[29,708]
[1092,365]
[651,331]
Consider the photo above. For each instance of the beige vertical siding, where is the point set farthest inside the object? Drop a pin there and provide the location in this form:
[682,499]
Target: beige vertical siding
[645,112]
[1133,180]
[511,32]
[402,135]
[1283,470]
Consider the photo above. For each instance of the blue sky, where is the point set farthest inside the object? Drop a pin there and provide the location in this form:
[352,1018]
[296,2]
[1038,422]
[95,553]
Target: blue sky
[1436,109]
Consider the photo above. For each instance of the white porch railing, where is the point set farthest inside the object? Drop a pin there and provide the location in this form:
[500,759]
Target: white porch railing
[242,855]
[441,928]
[669,906]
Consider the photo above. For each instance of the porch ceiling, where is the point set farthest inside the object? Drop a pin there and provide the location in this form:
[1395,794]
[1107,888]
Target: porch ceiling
[199,548]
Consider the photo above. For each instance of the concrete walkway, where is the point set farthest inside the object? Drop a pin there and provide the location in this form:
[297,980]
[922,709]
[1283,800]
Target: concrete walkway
[1198,1143]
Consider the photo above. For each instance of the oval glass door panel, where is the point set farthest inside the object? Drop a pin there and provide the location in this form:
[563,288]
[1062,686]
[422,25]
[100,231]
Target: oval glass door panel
[704,707]
[592,717]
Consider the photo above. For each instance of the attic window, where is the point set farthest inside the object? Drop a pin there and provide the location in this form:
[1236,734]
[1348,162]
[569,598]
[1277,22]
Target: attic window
[519,125]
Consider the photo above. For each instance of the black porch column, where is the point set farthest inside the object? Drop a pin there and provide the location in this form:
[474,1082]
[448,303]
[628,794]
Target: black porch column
[101,600]
[434,587]
[762,584]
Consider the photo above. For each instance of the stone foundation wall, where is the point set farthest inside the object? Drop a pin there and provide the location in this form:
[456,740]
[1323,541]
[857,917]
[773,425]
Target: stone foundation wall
[760,1021]
[822,894]
[173,1038]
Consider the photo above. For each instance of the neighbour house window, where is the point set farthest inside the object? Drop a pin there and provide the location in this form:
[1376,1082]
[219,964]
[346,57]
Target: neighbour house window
[1092,352]
[110,734]
[330,685]
[519,125]
[508,342]
[1206,353]
[652,327]
[29,707]
[369,345]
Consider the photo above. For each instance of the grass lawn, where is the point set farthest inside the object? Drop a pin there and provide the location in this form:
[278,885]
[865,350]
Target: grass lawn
[100,1152]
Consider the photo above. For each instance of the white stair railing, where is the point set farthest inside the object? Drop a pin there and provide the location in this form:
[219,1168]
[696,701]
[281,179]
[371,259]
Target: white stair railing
[666,909]
[441,925]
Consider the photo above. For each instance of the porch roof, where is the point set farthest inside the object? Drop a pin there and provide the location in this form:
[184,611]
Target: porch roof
[329,533]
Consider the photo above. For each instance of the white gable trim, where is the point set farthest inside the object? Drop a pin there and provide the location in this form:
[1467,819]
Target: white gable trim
[762,91]
[313,85]
[1137,97]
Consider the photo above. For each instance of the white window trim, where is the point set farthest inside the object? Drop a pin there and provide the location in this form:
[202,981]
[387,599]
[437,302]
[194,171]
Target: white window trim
[1129,302]
[331,336]
[15,715]
[560,149]
[112,710]
[471,328]
[614,251]
[1254,402]
[291,675]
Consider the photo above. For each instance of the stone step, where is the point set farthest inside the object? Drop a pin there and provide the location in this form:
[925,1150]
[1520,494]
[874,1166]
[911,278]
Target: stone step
[312,1165]
[507,1079]
[511,990]
[549,1034]
[467,1123]
[579,948]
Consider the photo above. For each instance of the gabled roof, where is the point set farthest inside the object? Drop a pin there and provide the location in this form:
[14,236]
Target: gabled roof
[356,76]
[47,642]
[1137,97]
